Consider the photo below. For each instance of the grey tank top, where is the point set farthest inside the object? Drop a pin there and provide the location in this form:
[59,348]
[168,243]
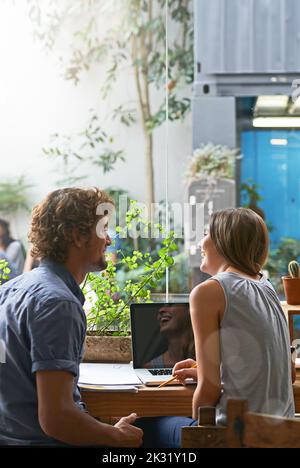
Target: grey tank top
[254,348]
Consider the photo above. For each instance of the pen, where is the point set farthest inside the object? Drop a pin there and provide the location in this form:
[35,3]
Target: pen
[174,378]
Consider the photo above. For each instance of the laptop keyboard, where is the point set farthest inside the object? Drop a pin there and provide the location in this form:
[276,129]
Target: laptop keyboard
[160,371]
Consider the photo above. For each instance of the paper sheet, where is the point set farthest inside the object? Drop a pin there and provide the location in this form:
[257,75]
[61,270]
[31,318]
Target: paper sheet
[109,388]
[108,374]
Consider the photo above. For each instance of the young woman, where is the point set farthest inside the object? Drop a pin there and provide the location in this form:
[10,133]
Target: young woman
[241,334]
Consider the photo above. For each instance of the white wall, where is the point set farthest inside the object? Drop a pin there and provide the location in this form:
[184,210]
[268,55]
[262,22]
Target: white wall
[36,101]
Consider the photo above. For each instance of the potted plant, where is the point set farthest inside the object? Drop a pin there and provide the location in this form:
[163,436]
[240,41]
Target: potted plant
[291,283]
[213,162]
[110,294]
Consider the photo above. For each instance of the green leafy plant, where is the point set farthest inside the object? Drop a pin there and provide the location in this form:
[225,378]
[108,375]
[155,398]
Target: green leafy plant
[250,194]
[251,197]
[294,269]
[92,145]
[13,195]
[179,276]
[109,298]
[214,161]
[4,271]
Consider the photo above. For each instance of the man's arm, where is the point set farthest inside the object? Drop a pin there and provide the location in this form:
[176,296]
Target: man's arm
[206,304]
[62,420]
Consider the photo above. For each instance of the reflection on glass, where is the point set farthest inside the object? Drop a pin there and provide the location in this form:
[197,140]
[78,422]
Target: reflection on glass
[161,334]
[175,327]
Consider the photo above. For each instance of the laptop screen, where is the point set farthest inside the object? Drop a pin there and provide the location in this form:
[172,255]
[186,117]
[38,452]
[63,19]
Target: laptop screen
[161,334]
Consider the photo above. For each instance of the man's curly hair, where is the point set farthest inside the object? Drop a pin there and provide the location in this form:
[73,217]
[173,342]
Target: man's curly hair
[55,217]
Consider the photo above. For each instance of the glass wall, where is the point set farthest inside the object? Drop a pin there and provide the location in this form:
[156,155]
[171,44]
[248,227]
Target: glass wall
[98,93]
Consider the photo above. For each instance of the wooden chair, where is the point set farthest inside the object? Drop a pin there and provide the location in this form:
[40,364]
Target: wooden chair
[244,429]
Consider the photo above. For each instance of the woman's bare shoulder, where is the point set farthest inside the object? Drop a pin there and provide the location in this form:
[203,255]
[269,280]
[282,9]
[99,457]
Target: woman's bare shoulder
[207,288]
[208,296]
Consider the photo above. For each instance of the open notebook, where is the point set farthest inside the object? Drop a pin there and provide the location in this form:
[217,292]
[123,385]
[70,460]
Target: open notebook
[119,377]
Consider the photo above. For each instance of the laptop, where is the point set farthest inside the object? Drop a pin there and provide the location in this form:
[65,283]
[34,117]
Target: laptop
[161,336]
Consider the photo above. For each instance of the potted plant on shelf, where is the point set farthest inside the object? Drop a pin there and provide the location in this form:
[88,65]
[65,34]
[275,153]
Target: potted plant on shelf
[212,162]
[110,294]
[291,283]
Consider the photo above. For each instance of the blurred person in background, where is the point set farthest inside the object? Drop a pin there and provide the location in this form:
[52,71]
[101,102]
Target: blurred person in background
[12,250]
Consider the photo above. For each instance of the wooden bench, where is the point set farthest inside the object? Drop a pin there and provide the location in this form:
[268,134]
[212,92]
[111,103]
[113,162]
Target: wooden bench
[244,429]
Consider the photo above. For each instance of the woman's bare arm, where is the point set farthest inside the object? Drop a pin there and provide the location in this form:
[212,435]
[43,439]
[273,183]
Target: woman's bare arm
[207,305]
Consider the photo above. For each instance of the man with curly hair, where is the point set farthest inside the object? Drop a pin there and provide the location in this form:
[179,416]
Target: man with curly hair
[43,327]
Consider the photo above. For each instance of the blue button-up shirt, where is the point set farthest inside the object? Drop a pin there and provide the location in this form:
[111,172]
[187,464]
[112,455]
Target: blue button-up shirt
[42,327]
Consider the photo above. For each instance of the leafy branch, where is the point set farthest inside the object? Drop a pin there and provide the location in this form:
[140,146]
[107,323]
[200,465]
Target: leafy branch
[93,144]
[4,271]
[111,301]
[13,195]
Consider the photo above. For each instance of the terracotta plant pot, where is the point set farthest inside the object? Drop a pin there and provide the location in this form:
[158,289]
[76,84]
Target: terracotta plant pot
[291,290]
[107,349]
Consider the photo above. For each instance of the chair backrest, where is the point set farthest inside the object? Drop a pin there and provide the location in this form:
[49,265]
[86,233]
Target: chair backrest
[244,429]
[256,430]
[206,434]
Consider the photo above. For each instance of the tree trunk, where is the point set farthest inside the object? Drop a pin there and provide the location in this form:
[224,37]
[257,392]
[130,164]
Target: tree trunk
[149,170]
[139,51]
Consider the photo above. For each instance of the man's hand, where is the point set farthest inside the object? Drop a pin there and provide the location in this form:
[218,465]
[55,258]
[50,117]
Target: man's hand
[129,436]
[183,370]
[61,419]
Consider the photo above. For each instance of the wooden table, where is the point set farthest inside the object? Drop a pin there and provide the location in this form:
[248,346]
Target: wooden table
[150,401]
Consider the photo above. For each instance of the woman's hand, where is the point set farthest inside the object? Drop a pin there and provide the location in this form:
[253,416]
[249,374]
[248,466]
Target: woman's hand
[185,370]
